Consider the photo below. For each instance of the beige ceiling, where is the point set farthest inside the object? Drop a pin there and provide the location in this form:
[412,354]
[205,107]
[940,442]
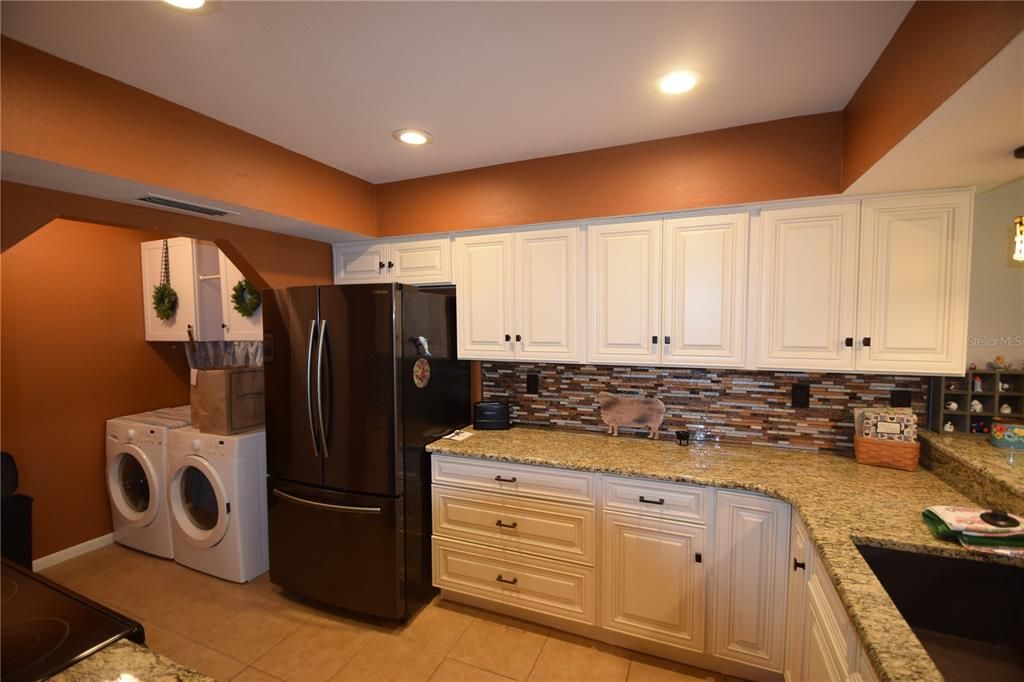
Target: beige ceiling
[493,82]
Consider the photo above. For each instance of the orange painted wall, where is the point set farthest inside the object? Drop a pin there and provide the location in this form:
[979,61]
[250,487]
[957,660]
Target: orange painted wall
[58,111]
[936,49]
[73,355]
[792,157]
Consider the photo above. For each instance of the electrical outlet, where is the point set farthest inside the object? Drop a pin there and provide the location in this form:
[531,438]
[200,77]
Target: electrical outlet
[899,398]
[801,395]
[533,383]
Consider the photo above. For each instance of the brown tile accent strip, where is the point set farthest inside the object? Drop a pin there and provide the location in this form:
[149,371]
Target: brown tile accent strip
[738,406]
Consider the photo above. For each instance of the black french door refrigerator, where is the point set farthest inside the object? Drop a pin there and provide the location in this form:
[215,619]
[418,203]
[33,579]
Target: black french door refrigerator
[359,378]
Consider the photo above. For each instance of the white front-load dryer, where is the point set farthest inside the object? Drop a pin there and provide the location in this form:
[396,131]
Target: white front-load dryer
[218,499]
[137,478]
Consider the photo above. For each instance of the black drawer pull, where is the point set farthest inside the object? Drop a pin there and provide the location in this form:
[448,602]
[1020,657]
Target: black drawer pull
[501,524]
[798,564]
[507,582]
[499,479]
[660,500]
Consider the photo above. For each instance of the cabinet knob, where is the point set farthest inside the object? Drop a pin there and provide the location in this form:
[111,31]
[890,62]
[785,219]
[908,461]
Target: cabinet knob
[798,564]
[223,325]
[508,337]
[867,342]
[519,337]
[698,557]
[390,265]
[668,340]
[654,339]
[848,342]
[380,265]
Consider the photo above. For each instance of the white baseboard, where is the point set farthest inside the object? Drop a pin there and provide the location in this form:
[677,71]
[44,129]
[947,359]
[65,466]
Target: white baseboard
[71,552]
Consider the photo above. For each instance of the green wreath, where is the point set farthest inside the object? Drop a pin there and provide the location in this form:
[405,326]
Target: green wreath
[165,301]
[245,298]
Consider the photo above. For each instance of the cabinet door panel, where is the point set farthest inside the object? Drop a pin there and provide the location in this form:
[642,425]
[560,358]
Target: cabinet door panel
[623,292]
[181,260]
[751,538]
[705,284]
[799,552]
[808,293]
[483,278]
[420,261]
[914,283]
[236,326]
[653,583]
[547,277]
[360,262]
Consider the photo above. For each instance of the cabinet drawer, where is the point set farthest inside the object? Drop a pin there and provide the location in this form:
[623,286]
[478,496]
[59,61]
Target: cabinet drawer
[550,587]
[664,500]
[558,485]
[550,530]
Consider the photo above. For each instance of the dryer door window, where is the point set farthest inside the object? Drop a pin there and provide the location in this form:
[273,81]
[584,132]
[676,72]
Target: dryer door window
[133,486]
[199,502]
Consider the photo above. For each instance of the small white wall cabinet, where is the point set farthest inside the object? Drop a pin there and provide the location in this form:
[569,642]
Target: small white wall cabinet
[704,290]
[519,295]
[410,261]
[236,326]
[751,539]
[874,286]
[624,292]
[809,287]
[821,642]
[195,277]
[915,266]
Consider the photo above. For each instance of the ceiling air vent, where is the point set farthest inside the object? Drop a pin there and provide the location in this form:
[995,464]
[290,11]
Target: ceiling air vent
[168,202]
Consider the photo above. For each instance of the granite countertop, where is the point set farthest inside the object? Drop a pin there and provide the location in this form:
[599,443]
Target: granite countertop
[124,661]
[840,501]
[992,476]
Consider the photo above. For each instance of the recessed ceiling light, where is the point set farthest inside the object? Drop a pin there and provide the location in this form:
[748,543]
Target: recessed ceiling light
[412,136]
[186,4]
[677,82]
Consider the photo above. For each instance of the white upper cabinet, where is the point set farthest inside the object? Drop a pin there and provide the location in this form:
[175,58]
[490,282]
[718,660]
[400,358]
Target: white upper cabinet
[519,295]
[547,295]
[704,290]
[751,538]
[484,301]
[236,326]
[915,262]
[412,260]
[360,262]
[808,287]
[194,269]
[624,292]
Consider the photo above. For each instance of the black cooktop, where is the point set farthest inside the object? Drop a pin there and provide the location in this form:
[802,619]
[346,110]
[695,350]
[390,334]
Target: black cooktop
[45,627]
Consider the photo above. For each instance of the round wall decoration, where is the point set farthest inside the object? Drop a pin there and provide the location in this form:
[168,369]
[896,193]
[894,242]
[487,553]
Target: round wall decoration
[245,298]
[421,373]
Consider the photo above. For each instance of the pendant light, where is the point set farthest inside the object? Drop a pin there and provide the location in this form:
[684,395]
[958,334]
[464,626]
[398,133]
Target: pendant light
[1018,239]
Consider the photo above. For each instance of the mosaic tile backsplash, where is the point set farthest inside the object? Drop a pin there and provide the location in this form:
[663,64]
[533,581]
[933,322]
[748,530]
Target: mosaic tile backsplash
[737,406]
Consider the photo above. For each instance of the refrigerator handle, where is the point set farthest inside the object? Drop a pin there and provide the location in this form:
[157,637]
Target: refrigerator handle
[309,386]
[319,387]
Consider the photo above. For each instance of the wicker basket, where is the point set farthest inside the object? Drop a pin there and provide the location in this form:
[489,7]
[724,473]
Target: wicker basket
[886,453]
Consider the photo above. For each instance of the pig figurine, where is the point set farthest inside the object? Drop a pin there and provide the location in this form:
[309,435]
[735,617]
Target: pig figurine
[626,410]
[952,406]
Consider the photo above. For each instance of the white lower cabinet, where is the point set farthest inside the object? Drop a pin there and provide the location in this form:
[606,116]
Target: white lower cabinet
[653,579]
[751,537]
[712,577]
[821,642]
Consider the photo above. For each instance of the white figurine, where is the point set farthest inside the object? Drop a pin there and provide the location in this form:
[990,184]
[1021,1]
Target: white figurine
[1003,386]
[975,406]
[948,427]
[1006,409]
[952,406]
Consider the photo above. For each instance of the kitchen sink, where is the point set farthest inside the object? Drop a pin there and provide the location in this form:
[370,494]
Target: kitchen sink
[969,615]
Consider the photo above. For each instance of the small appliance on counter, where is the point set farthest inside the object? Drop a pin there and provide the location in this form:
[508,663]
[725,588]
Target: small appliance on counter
[45,627]
[491,415]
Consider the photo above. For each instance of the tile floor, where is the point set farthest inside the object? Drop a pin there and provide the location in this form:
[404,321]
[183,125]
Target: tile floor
[253,633]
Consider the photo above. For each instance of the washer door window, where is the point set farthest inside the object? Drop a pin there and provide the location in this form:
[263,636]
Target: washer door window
[133,485]
[199,502]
